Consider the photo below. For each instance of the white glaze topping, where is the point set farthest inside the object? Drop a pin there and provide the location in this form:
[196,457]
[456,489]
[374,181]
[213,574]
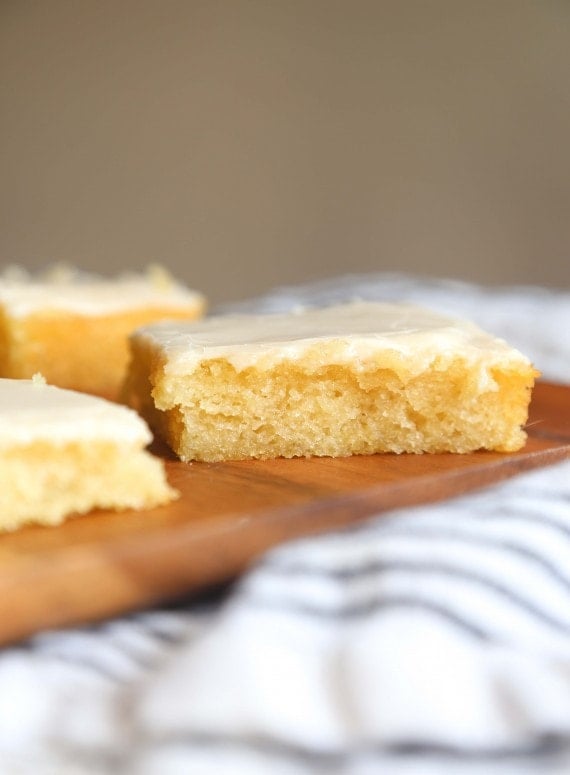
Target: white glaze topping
[31,411]
[354,332]
[66,289]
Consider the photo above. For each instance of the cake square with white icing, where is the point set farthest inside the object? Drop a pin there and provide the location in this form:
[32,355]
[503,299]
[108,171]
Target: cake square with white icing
[73,327]
[357,378]
[64,452]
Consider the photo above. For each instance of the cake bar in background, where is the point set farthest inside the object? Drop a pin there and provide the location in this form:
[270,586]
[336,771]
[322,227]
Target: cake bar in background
[73,327]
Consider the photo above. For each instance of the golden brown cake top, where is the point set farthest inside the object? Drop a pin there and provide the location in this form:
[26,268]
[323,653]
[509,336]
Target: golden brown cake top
[349,333]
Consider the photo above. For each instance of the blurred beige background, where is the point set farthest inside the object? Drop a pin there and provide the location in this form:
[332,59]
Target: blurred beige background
[254,143]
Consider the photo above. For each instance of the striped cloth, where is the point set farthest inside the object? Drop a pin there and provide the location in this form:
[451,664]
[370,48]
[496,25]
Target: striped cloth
[430,640]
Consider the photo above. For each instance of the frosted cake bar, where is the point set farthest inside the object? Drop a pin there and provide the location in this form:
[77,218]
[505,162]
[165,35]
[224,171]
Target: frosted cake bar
[357,378]
[73,328]
[63,452]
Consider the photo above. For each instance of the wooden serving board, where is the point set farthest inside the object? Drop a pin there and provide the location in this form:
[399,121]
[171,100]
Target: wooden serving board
[228,514]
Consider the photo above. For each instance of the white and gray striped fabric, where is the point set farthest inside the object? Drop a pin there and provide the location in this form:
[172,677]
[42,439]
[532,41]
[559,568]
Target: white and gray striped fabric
[429,640]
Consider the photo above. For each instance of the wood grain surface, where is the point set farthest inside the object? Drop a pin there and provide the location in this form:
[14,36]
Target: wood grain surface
[107,563]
